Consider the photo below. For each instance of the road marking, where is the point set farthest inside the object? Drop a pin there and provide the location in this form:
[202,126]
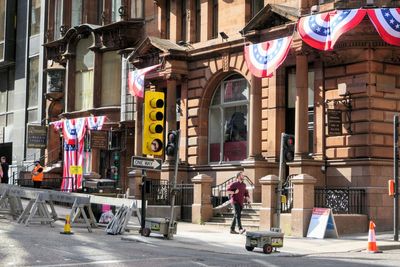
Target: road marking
[104,262]
[263,263]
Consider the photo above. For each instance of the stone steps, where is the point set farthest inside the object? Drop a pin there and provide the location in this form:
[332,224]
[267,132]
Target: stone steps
[250,217]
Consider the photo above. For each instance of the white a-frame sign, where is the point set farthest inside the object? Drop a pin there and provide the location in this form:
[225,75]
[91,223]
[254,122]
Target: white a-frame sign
[322,224]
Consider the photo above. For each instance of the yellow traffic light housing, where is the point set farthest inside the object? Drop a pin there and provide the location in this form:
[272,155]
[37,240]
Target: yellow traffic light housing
[153,124]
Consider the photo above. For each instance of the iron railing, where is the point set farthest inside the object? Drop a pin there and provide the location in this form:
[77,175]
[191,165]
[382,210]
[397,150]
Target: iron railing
[219,193]
[159,192]
[287,192]
[26,166]
[341,200]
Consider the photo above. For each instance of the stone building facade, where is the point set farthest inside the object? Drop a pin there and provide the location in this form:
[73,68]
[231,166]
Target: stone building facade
[229,119]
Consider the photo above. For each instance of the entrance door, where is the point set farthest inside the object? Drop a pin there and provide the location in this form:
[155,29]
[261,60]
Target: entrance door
[6,150]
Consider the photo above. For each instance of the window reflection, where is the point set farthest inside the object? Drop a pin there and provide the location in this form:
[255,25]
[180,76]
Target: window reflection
[228,120]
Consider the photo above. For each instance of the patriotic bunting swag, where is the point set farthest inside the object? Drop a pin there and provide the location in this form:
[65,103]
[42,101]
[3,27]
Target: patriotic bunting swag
[73,134]
[264,58]
[136,80]
[321,31]
[387,23]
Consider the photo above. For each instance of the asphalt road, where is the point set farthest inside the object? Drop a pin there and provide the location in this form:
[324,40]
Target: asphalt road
[42,245]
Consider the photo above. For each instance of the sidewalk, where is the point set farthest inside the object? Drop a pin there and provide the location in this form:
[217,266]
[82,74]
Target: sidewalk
[219,240]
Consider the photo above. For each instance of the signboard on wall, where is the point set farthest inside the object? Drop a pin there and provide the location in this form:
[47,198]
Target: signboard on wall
[99,139]
[334,122]
[37,136]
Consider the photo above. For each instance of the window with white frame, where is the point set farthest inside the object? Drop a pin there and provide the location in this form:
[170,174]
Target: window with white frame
[33,89]
[84,72]
[228,120]
[111,82]
[35,17]
[137,9]
[115,5]
[76,14]
[58,18]
[2,27]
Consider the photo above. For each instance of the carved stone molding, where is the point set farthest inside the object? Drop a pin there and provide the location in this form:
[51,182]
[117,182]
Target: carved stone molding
[225,61]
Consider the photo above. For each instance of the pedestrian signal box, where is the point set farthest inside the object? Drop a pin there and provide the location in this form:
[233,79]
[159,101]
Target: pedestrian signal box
[172,143]
[391,187]
[153,123]
[288,147]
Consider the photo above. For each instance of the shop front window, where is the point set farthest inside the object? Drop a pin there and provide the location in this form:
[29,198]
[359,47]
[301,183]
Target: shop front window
[228,127]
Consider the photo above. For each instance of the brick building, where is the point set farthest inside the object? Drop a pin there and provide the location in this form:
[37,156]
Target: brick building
[229,119]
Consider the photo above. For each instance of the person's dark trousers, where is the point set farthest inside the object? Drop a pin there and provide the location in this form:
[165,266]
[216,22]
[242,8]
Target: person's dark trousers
[37,184]
[237,217]
[4,180]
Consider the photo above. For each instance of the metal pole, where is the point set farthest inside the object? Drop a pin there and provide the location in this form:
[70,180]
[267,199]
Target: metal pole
[143,211]
[396,176]
[279,188]
[171,219]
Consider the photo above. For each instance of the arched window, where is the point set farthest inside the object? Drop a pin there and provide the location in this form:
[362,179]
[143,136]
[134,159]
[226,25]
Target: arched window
[228,120]
[84,71]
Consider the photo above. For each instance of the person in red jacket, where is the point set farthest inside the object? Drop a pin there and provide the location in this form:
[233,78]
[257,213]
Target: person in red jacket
[37,175]
[238,192]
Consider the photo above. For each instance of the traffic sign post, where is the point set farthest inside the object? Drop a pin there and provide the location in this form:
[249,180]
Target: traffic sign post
[146,163]
[396,177]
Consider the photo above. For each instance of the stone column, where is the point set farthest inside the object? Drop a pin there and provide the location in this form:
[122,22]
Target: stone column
[301,113]
[254,134]
[202,209]
[303,203]
[319,111]
[269,184]
[135,183]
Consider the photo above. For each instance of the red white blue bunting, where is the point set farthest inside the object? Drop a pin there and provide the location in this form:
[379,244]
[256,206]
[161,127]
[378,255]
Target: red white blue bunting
[387,23]
[321,31]
[264,58]
[73,134]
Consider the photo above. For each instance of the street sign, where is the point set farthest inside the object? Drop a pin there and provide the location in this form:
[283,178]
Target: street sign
[73,169]
[146,163]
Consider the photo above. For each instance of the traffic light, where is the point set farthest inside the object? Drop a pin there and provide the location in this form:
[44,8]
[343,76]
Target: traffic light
[288,147]
[172,143]
[153,124]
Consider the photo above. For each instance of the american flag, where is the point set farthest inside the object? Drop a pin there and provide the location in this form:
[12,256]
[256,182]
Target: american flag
[321,31]
[136,80]
[387,23]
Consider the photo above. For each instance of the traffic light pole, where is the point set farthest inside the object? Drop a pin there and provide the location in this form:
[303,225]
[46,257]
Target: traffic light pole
[396,176]
[279,188]
[171,219]
[143,210]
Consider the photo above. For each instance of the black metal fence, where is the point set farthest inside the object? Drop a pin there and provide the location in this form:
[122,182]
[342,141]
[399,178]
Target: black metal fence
[341,200]
[160,193]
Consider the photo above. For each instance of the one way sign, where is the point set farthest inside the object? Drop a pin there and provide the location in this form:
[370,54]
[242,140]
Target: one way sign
[146,163]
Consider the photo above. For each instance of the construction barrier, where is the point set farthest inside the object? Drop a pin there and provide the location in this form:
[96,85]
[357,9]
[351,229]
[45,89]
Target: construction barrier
[40,208]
